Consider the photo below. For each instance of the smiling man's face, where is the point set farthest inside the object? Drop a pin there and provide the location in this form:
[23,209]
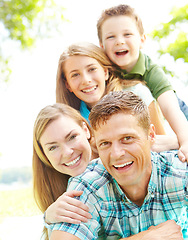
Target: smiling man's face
[125,149]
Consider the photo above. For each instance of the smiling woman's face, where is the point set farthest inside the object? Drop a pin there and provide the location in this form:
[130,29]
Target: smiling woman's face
[66,145]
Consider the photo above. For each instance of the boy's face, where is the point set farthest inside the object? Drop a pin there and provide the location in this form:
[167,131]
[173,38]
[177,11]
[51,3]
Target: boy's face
[122,41]
[124,148]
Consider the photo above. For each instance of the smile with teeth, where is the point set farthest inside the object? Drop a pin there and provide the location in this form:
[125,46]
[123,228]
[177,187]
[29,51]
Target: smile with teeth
[72,162]
[89,89]
[122,165]
[121,52]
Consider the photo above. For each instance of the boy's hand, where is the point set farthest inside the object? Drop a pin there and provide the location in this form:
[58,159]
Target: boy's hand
[183,152]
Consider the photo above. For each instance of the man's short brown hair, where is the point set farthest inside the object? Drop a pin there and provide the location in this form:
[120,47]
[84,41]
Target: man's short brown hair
[118,102]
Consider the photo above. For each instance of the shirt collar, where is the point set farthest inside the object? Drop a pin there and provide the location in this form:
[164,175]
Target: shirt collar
[137,71]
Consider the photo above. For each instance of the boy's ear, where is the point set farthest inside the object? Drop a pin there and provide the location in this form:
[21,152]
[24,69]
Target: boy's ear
[101,45]
[143,39]
[67,86]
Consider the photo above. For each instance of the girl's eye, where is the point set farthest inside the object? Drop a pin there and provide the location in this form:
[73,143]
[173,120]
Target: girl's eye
[92,69]
[74,75]
[73,137]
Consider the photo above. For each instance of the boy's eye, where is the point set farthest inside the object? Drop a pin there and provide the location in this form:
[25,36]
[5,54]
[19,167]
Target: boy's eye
[127,34]
[110,37]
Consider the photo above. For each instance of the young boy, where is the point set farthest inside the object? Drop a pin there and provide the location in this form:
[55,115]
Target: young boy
[121,35]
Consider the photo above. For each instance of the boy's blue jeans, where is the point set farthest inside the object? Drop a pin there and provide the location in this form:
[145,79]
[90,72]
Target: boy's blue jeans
[183,107]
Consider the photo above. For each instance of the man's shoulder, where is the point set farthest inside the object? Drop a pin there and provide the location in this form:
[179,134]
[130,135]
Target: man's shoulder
[168,162]
[95,176]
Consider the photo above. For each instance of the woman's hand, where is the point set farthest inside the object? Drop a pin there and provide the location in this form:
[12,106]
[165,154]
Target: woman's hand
[67,209]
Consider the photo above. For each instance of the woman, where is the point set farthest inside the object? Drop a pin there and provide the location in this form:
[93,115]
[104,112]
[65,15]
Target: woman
[61,149]
[85,75]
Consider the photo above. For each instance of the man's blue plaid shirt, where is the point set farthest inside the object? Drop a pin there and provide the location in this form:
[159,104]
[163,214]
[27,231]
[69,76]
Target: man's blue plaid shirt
[114,216]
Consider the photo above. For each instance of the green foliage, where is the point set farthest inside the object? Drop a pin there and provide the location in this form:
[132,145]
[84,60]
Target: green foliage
[177,26]
[24,21]
[11,175]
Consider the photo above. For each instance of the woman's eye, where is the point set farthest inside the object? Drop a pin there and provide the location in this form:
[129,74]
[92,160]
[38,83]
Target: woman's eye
[52,148]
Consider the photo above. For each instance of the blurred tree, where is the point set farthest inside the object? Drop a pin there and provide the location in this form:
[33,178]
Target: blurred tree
[24,21]
[176,32]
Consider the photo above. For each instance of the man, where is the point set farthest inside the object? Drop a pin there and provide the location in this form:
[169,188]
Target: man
[139,194]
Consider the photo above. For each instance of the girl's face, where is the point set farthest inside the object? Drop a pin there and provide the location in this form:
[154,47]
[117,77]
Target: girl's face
[66,145]
[85,78]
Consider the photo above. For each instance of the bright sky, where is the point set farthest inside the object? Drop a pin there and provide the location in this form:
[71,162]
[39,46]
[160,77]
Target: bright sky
[32,84]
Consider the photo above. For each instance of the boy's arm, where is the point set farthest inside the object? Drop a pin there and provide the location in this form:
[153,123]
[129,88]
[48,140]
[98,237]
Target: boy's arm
[170,108]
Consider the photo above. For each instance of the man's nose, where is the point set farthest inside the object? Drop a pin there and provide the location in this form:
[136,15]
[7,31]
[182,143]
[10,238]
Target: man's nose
[116,151]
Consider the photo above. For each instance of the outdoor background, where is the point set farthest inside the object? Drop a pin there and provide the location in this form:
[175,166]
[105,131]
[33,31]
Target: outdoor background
[32,86]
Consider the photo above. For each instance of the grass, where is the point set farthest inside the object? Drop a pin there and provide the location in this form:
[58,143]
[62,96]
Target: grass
[19,202]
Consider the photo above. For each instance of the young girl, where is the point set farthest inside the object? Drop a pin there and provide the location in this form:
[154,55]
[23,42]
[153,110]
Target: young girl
[84,76]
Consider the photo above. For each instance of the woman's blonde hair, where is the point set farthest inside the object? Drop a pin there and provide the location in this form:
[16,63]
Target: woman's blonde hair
[63,95]
[48,183]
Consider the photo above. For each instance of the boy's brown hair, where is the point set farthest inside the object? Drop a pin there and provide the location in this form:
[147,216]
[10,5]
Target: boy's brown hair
[120,10]
[120,102]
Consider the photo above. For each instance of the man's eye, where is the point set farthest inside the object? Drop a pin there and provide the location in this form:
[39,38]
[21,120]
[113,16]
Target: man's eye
[128,138]
[103,144]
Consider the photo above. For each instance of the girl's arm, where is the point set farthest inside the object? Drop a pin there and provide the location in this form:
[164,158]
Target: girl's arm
[165,143]
[156,118]
[170,108]
[67,209]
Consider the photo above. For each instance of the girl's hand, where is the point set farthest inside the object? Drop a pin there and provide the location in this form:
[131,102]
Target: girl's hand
[183,152]
[67,209]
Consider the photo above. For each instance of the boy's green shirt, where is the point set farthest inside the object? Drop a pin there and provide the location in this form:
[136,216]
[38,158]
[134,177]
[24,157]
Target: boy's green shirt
[149,72]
